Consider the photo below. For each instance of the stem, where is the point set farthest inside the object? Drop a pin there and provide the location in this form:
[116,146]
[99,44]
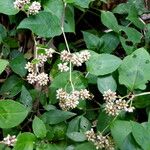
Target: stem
[141,94]
[67,45]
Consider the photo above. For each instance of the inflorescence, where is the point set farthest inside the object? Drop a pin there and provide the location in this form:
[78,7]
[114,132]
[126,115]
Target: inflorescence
[25,5]
[115,104]
[99,140]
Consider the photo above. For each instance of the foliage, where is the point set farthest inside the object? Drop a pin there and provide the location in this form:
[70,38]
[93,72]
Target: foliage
[74,74]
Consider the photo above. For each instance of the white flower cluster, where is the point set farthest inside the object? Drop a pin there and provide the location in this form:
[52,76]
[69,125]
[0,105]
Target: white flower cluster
[19,4]
[9,140]
[115,105]
[100,141]
[75,58]
[71,100]
[33,9]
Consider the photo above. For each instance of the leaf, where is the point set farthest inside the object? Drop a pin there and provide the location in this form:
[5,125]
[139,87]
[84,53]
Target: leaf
[25,141]
[92,41]
[56,116]
[134,71]
[11,87]
[109,20]
[120,130]
[78,80]
[141,135]
[102,64]
[44,24]
[76,136]
[85,124]
[105,83]
[7,7]
[26,98]
[122,8]
[18,65]
[39,128]
[110,42]
[11,113]
[87,146]
[3,64]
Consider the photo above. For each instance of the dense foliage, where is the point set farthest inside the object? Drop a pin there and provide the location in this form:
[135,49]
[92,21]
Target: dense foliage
[74,74]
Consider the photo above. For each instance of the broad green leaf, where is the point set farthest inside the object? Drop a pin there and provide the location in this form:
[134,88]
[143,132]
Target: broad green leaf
[3,64]
[105,83]
[44,24]
[122,8]
[134,71]
[7,7]
[130,143]
[11,113]
[120,130]
[26,98]
[85,124]
[11,87]
[129,39]
[18,65]
[102,64]
[56,116]
[87,146]
[109,20]
[39,128]
[3,32]
[78,80]
[92,41]
[110,42]
[76,136]
[25,141]
[141,135]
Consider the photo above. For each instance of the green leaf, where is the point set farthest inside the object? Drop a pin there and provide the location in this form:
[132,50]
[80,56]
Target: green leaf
[11,113]
[18,65]
[25,141]
[122,8]
[129,39]
[76,136]
[44,24]
[85,124]
[120,130]
[134,71]
[141,135]
[87,146]
[3,64]
[11,87]
[78,80]
[110,42]
[109,20]
[39,128]
[102,64]
[26,98]
[105,83]
[7,7]
[92,41]
[56,116]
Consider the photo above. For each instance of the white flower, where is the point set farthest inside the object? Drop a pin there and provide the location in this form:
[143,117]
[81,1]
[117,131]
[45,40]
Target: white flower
[85,94]
[109,95]
[65,56]
[42,58]
[42,79]
[90,135]
[30,67]
[34,8]
[9,140]
[49,52]
[85,55]
[19,4]
[61,94]
[130,109]
[111,109]
[63,67]
[77,59]
[31,78]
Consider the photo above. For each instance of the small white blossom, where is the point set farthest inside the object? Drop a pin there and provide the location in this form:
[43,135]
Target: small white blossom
[130,109]
[121,104]
[31,78]
[65,56]
[42,79]
[111,109]
[34,8]
[109,95]
[9,140]
[19,4]
[76,59]
[30,67]
[85,55]
[90,135]
[49,52]
[85,94]
[63,67]
[61,94]
[42,58]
